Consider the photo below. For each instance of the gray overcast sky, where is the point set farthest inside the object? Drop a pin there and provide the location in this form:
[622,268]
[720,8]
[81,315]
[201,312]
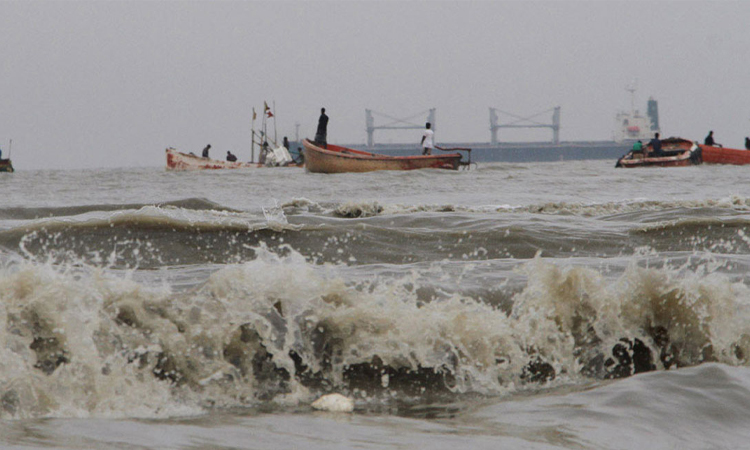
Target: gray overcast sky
[111,84]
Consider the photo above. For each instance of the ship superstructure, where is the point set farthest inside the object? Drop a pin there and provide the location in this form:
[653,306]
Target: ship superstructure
[632,125]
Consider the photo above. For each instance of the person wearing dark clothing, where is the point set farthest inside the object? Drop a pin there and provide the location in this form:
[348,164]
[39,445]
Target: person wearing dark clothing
[709,139]
[301,158]
[285,143]
[656,146]
[747,143]
[264,150]
[321,134]
[205,151]
[231,157]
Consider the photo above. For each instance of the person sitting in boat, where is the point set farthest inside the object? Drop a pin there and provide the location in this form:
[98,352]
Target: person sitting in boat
[300,156]
[638,147]
[428,138]
[655,144]
[709,139]
[205,151]
[231,157]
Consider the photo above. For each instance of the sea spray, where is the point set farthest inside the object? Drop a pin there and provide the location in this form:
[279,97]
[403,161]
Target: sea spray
[88,342]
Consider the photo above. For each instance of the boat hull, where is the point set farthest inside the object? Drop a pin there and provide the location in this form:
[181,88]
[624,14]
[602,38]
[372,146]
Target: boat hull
[6,165]
[336,159]
[184,161]
[678,152]
[721,155]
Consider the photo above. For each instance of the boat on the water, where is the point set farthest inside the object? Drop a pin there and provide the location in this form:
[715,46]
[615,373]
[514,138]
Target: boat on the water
[337,159]
[713,154]
[676,152]
[188,161]
[6,165]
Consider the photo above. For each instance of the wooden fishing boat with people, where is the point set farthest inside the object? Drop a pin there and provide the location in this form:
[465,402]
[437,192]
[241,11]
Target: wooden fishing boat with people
[716,154]
[271,154]
[187,161]
[676,152]
[337,159]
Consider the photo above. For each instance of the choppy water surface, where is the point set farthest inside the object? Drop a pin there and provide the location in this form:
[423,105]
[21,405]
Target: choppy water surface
[539,305]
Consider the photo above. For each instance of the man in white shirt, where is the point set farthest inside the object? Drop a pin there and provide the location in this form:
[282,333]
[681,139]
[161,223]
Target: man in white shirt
[428,140]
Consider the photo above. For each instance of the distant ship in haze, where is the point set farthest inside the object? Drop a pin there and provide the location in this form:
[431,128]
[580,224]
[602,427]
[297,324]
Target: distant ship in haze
[630,126]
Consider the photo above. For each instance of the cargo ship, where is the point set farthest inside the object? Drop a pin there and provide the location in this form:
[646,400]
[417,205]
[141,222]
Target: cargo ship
[630,126]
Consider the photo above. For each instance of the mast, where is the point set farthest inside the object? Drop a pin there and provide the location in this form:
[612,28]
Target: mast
[275,138]
[252,139]
[632,88]
[264,132]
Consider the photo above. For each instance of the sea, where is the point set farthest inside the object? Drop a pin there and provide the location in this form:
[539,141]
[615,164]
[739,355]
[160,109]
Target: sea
[538,305]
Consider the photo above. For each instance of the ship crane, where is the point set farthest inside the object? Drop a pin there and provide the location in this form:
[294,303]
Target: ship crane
[395,124]
[526,122]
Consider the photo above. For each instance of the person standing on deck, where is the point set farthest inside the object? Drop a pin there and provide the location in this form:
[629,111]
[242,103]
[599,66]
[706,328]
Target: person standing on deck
[321,134]
[428,139]
[709,139]
[656,146]
[205,151]
[747,143]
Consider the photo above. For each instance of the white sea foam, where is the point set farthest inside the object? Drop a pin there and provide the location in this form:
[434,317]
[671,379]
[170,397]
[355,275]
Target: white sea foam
[83,342]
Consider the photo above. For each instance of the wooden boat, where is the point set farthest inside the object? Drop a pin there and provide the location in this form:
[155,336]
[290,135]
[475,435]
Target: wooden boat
[719,155]
[6,165]
[677,152]
[336,159]
[188,161]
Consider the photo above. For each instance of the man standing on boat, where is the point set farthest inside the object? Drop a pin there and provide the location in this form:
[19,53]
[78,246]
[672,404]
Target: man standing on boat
[321,134]
[656,146]
[205,151]
[428,140]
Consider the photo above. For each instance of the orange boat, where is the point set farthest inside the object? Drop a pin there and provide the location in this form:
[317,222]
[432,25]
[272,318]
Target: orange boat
[677,152]
[336,159]
[187,161]
[720,155]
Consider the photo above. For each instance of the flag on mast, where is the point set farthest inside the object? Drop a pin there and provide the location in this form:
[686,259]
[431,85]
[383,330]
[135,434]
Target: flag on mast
[268,112]
[255,116]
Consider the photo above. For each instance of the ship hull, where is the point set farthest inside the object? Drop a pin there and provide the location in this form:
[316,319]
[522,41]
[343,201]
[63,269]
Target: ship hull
[517,152]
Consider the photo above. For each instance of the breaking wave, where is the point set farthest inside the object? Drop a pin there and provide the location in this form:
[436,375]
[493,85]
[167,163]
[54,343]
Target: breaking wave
[198,232]
[82,342]
[22,213]
[629,209]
